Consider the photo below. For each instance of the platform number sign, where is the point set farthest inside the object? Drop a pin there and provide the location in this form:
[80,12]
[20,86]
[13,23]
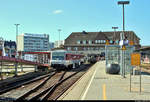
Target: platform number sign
[135,59]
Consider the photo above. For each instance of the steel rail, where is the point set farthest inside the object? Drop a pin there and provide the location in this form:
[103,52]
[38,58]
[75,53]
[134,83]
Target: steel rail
[50,92]
[60,82]
[24,83]
[37,88]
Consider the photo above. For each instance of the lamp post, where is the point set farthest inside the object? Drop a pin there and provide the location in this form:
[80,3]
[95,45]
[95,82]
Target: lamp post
[114,37]
[123,3]
[122,37]
[59,30]
[17,39]
[1,54]
[16,64]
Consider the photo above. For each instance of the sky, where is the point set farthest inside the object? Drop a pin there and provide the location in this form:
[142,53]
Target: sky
[47,16]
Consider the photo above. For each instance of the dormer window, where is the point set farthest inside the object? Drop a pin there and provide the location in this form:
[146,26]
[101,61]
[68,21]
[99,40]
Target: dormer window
[96,41]
[84,41]
[78,42]
[90,42]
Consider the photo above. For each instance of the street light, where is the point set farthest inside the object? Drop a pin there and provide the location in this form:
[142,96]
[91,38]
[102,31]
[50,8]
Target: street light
[114,32]
[122,37]
[17,39]
[59,36]
[123,3]
[16,65]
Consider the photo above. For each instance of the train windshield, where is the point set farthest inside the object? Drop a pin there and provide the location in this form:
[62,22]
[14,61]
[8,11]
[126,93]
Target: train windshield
[58,56]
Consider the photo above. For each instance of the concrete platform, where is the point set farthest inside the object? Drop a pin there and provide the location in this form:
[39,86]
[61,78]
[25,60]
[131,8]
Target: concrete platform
[97,85]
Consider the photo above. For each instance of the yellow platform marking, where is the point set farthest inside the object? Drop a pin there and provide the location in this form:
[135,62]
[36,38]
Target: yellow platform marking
[104,92]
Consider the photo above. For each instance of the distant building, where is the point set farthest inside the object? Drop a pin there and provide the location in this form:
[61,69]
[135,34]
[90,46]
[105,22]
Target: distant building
[10,48]
[145,53]
[58,43]
[51,45]
[88,42]
[1,46]
[33,42]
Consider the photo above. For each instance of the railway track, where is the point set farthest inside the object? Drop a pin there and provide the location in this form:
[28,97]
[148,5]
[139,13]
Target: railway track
[9,86]
[49,88]
[57,89]
[42,87]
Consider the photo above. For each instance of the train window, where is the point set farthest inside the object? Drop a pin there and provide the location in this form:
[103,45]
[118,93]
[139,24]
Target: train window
[58,56]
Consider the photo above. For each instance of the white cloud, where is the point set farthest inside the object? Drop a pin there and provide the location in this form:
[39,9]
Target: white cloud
[57,11]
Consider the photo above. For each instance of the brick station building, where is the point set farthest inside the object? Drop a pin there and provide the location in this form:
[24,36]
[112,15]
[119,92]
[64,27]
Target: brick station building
[88,42]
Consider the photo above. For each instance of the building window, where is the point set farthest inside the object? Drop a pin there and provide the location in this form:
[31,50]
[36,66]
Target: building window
[81,42]
[117,41]
[84,41]
[84,48]
[78,42]
[104,41]
[96,48]
[90,42]
[100,41]
[68,48]
[111,41]
[76,48]
[96,41]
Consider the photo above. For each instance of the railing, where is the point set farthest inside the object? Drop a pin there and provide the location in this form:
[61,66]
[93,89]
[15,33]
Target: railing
[5,58]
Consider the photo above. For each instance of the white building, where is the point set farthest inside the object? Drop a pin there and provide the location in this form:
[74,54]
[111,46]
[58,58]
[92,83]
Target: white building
[33,42]
[58,43]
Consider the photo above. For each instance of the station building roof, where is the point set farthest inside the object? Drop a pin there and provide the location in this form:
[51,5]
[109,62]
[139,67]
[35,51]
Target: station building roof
[109,35]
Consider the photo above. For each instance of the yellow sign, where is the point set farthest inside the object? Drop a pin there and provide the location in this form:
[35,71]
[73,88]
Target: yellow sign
[135,59]
[131,43]
[123,47]
[107,42]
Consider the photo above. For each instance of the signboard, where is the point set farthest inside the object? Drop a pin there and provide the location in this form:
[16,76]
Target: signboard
[135,59]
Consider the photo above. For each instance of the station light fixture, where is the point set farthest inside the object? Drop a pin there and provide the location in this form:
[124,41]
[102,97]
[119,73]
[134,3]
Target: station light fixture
[123,2]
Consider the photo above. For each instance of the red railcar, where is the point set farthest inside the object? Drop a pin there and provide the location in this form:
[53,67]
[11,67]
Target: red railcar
[61,59]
